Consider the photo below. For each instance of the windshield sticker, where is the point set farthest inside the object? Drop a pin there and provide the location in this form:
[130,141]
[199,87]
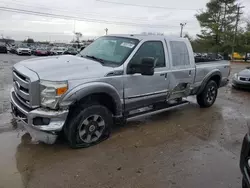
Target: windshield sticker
[127,45]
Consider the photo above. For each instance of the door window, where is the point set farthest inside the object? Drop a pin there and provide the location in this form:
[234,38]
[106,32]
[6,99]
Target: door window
[150,49]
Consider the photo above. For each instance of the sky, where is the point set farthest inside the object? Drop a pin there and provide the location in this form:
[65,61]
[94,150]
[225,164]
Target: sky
[91,17]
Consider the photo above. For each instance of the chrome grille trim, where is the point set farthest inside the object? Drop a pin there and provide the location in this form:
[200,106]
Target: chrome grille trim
[244,79]
[26,103]
[22,94]
[19,82]
[23,83]
[26,86]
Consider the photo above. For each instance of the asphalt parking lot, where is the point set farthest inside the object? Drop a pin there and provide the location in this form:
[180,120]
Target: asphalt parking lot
[188,147]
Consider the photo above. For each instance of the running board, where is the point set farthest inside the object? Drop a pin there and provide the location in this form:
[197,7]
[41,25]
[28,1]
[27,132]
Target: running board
[153,112]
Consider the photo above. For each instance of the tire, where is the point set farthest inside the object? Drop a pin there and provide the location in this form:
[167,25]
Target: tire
[89,119]
[208,96]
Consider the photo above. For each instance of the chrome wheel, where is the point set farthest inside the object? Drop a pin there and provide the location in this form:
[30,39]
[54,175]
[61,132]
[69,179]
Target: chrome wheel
[211,94]
[91,129]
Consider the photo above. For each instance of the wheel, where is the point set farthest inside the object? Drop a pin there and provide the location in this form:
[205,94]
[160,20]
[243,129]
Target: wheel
[244,184]
[88,125]
[208,96]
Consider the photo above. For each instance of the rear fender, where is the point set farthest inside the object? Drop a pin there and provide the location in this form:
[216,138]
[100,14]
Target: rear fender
[208,77]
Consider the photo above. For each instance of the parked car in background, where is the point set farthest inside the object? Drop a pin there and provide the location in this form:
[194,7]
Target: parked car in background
[197,55]
[71,51]
[41,52]
[13,49]
[58,50]
[49,50]
[242,79]
[3,49]
[117,77]
[23,50]
[81,48]
[33,49]
[247,56]
[237,56]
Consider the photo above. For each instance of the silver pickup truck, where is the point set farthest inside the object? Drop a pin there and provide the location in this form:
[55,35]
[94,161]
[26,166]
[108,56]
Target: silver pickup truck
[117,77]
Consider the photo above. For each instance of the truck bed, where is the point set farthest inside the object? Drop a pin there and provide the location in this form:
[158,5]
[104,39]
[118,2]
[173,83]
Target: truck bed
[209,62]
[205,68]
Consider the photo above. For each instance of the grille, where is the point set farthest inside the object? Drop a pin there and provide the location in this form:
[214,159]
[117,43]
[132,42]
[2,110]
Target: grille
[26,86]
[21,85]
[245,79]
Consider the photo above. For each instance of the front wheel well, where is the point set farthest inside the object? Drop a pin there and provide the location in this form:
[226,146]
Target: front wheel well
[217,79]
[100,98]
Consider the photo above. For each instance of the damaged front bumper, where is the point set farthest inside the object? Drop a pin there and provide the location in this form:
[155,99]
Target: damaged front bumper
[42,124]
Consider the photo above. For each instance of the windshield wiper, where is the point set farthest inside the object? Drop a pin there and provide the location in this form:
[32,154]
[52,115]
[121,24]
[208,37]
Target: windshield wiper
[102,61]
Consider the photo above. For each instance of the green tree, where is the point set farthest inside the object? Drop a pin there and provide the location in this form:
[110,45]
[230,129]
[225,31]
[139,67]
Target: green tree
[217,23]
[243,43]
[29,41]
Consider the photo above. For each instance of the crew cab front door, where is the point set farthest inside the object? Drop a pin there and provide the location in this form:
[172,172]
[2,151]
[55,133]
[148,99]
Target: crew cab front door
[141,90]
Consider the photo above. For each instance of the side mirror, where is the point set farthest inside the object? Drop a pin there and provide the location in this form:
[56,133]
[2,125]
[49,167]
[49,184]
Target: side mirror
[146,67]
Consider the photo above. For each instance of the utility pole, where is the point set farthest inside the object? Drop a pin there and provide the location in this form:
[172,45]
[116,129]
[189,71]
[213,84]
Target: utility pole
[74,30]
[106,31]
[182,25]
[236,27]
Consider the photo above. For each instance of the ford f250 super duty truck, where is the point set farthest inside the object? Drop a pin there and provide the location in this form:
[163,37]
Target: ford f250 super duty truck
[117,77]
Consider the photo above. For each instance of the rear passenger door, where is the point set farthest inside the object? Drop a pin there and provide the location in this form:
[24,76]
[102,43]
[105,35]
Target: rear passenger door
[182,68]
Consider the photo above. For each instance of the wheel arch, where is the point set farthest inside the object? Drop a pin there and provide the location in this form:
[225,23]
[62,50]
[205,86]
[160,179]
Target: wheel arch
[104,93]
[214,75]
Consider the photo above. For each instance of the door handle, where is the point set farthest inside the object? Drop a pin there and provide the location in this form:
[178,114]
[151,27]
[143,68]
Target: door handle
[164,74]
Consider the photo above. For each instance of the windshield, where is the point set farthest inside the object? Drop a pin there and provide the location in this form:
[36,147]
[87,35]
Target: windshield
[58,48]
[71,49]
[110,49]
[23,46]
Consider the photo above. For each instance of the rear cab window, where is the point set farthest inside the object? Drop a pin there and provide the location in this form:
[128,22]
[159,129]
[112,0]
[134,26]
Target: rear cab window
[180,55]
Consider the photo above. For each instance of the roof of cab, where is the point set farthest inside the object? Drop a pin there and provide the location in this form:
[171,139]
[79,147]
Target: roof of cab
[153,37]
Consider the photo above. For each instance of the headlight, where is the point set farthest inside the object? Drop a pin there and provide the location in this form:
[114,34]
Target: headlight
[236,77]
[51,92]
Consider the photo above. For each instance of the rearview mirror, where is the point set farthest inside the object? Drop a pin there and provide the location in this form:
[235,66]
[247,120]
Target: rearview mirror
[145,67]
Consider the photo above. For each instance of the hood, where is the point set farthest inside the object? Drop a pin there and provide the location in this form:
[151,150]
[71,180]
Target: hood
[66,67]
[23,49]
[41,50]
[58,50]
[245,72]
